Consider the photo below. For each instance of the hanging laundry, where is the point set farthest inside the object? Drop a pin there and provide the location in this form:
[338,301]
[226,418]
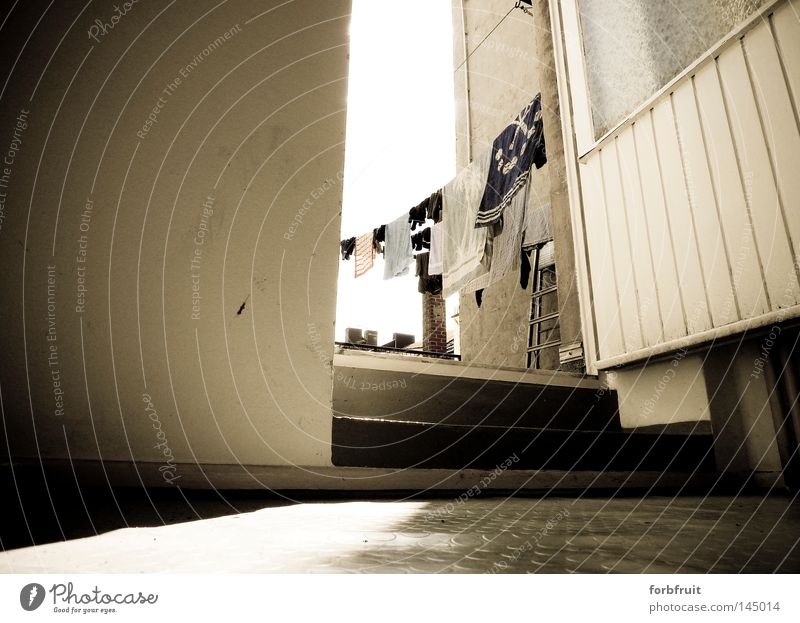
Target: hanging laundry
[418,214]
[435,206]
[365,253]
[539,225]
[378,238]
[503,243]
[463,243]
[514,151]
[397,250]
[547,258]
[435,264]
[525,267]
[432,284]
[421,240]
[347,247]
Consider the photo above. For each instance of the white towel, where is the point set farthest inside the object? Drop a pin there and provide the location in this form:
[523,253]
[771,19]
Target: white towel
[436,260]
[398,251]
[463,242]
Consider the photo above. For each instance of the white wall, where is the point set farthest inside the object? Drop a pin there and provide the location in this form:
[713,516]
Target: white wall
[662,392]
[258,124]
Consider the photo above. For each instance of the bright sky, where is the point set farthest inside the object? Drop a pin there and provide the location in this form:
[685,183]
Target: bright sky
[400,146]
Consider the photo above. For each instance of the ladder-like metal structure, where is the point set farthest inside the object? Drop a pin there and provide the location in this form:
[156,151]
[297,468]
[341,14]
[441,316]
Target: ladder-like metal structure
[544,283]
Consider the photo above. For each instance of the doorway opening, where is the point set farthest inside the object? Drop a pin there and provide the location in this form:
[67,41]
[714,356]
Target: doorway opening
[400,148]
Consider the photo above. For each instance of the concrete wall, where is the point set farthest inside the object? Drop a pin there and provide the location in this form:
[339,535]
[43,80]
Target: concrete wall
[663,392]
[746,434]
[492,85]
[730,386]
[155,155]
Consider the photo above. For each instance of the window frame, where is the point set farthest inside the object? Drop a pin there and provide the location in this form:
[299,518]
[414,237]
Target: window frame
[579,86]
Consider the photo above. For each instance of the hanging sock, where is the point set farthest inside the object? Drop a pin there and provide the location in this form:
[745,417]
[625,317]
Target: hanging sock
[347,247]
[435,207]
[379,238]
[421,240]
[525,267]
[418,214]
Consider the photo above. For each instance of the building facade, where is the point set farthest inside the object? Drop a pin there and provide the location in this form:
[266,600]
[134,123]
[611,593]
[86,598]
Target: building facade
[166,322]
[671,179]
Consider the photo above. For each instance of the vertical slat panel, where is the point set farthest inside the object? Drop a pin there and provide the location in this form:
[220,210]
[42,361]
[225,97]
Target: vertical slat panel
[759,183]
[778,122]
[666,277]
[786,22]
[743,254]
[680,218]
[604,286]
[620,249]
[713,254]
[693,211]
[649,310]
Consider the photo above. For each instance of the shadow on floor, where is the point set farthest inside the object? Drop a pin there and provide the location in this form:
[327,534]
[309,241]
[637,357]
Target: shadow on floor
[34,514]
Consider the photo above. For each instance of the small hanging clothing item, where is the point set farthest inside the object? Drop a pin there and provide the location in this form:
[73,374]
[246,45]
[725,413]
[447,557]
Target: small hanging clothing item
[347,247]
[436,263]
[435,207]
[514,151]
[379,238]
[365,253]
[397,250]
[547,258]
[432,284]
[421,240]
[463,243]
[418,214]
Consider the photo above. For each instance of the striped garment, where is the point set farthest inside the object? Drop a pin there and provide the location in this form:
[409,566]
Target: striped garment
[514,151]
[365,253]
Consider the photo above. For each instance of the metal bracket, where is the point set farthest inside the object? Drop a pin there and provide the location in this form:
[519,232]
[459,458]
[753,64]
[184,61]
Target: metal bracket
[571,352]
[521,5]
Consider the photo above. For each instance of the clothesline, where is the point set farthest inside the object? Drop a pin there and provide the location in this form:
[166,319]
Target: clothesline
[470,231]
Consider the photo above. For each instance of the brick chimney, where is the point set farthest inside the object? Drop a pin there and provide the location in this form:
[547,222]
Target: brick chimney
[434,323]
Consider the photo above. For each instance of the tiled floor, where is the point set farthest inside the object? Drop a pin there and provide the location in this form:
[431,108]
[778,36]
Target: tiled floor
[597,535]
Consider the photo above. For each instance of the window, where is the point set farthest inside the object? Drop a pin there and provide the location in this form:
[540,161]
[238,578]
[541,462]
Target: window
[632,48]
